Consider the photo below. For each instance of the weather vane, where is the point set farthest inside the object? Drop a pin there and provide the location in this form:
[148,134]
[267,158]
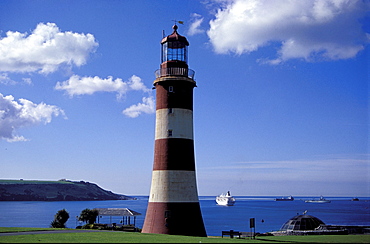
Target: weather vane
[178,21]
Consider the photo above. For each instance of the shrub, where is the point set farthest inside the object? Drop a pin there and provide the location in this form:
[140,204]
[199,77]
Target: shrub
[60,219]
[88,216]
[87,226]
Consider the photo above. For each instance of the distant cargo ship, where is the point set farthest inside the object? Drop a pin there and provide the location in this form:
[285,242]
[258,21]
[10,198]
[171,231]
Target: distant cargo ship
[290,198]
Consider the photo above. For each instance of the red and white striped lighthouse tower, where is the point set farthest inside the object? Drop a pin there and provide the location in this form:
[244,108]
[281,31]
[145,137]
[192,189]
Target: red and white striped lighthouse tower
[173,206]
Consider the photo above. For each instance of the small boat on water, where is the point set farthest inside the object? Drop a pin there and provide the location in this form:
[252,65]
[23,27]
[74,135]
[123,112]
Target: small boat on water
[225,199]
[290,198]
[321,200]
[355,199]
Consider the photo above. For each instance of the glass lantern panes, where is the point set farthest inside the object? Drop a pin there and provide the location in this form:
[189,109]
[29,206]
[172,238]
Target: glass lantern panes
[174,51]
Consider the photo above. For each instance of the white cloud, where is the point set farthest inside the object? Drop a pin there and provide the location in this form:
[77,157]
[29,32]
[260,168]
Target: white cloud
[334,169]
[28,81]
[335,175]
[44,50]
[148,107]
[5,79]
[77,85]
[24,113]
[196,21]
[310,30]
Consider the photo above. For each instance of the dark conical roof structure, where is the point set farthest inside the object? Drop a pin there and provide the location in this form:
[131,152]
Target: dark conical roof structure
[302,222]
[176,37]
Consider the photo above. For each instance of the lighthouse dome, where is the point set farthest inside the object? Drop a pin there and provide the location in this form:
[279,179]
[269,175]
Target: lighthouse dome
[176,37]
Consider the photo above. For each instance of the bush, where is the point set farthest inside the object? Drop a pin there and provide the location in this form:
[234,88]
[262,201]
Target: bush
[88,216]
[56,224]
[60,219]
[87,226]
[100,226]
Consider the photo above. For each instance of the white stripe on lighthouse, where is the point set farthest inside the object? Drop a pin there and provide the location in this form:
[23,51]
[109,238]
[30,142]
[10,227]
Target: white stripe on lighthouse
[177,120]
[173,186]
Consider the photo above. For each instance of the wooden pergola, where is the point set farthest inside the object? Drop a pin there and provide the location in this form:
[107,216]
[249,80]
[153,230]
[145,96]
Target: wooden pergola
[126,214]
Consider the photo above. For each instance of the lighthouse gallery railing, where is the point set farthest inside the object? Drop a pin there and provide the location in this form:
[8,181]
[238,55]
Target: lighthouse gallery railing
[175,71]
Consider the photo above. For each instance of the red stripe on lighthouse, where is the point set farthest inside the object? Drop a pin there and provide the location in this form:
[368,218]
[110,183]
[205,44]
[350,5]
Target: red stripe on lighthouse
[174,154]
[179,96]
[161,219]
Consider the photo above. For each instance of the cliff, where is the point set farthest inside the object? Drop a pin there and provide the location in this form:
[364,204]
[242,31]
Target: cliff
[62,190]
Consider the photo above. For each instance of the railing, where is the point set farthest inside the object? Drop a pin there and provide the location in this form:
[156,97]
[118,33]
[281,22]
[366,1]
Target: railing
[175,71]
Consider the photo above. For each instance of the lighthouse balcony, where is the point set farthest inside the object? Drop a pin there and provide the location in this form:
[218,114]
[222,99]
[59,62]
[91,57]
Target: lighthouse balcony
[175,71]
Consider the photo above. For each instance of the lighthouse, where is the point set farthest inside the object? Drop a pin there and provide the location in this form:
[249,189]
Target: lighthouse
[173,205]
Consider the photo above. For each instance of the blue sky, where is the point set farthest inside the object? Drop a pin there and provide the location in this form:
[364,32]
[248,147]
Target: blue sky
[281,105]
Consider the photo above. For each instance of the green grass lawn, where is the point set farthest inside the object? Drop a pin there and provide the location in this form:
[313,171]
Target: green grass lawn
[135,237]
[21,229]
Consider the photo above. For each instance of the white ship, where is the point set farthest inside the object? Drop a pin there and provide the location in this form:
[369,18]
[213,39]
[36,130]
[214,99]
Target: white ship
[225,199]
[321,200]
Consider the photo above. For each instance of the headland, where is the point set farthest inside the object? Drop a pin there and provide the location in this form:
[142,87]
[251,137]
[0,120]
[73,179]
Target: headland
[61,190]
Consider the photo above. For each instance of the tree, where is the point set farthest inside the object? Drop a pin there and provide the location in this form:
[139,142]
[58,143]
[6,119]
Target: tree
[60,219]
[88,215]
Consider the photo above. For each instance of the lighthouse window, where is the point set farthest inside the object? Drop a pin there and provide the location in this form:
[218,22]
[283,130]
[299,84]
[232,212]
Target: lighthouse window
[174,51]
[169,133]
[170,110]
[167,214]
[170,89]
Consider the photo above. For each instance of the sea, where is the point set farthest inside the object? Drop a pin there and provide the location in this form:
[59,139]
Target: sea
[269,215]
